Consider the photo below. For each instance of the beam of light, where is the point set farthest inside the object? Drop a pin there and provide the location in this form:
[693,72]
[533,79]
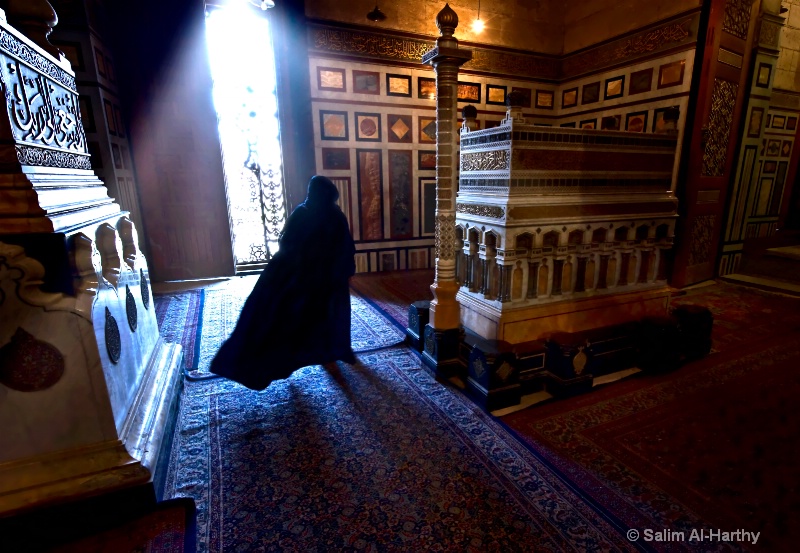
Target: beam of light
[245,97]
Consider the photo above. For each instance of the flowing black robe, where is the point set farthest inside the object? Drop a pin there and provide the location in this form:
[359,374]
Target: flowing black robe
[299,311]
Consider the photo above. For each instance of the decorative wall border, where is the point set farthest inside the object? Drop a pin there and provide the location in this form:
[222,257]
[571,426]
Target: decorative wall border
[356,42]
[666,35]
[336,40]
[512,63]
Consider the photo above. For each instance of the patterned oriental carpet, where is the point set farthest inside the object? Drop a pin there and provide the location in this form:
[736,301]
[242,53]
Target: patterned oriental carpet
[744,317]
[167,528]
[380,457]
[377,457]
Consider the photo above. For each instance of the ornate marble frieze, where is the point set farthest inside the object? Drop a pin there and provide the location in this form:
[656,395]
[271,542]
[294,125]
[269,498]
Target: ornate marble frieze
[576,184]
[42,107]
[781,99]
[512,63]
[365,43]
[493,160]
[569,138]
[43,157]
[479,138]
[492,211]
[481,185]
[13,47]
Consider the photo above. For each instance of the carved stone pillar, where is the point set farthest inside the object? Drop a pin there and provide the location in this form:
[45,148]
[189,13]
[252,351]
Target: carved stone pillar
[445,322]
[623,272]
[505,283]
[644,266]
[603,272]
[558,273]
[533,279]
[485,278]
[661,264]
[580,279]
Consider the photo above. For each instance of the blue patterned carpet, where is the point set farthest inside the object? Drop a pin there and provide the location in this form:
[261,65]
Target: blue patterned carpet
[373,457]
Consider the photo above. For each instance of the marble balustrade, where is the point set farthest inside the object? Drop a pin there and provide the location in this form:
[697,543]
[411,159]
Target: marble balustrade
[548,217]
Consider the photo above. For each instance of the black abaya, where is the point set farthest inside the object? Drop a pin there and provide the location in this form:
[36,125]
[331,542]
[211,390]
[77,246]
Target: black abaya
[299,311]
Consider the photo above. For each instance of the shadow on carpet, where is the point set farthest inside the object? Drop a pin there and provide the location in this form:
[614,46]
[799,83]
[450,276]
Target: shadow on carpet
[377,457]
[202,320]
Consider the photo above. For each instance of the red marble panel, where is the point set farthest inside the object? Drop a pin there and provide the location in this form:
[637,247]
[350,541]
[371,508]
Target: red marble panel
[370,192]
[571,160]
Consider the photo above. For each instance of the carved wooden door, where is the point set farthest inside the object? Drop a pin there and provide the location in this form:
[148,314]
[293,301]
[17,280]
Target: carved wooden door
[710,144]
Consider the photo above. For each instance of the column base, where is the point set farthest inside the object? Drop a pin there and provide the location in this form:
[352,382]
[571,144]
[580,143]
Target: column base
[516,324]
[418,316]
[441,351]
[493,376]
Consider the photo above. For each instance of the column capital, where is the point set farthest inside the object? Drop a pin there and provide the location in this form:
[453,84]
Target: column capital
[769,31]
[438,55]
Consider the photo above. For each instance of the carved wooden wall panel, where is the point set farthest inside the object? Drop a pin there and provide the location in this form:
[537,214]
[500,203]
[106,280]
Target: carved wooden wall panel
[708,170]
[723,101]
[737,17]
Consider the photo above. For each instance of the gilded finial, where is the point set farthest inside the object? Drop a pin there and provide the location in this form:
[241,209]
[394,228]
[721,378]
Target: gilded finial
[447,21]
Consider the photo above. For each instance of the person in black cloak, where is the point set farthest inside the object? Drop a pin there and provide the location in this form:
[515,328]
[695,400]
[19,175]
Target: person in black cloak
[299,311]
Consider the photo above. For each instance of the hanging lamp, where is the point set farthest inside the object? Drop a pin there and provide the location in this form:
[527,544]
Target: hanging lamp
[478,25]
[376,14]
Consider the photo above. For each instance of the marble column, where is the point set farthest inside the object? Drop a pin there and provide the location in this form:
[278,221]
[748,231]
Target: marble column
[442,333]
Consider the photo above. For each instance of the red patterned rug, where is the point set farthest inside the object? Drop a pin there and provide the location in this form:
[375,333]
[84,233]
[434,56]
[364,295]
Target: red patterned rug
[168,528]
[711,446]
[743,316]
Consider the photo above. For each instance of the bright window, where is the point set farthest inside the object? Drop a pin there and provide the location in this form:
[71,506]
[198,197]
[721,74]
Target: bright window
[245,97]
